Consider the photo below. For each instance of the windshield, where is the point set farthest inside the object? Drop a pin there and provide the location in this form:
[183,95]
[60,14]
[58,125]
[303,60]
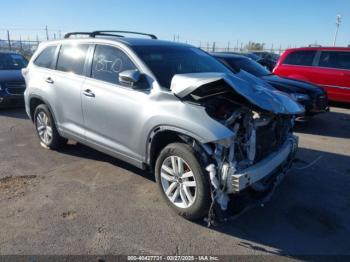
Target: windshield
[252,56]
[12,61]
[247,65]
[167,61]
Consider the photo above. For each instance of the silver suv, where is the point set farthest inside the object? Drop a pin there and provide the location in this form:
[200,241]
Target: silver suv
[207,134]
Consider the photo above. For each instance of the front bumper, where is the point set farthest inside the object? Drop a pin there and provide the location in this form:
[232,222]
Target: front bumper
[318,104]
[11,94]
[279,161]
[11,101]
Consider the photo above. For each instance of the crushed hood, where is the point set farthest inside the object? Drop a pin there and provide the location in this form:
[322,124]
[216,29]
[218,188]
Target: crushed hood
[257,92]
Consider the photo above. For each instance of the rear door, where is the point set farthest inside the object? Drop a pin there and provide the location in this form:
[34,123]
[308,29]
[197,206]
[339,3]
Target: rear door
[38,76]
[333,74]
[67,81]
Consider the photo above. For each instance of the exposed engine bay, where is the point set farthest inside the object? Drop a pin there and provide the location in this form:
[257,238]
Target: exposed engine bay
[255,158]
[258,135]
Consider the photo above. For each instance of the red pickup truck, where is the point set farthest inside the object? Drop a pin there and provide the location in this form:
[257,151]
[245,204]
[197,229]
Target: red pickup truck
[327,67]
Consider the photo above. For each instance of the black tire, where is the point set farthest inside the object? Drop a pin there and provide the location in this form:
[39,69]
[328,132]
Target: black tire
[202,201]
[56,141]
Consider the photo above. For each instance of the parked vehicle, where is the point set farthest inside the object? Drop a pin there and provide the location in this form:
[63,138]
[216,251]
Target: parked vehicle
[251,56]
[169,107]
[327,67]
[312,97]
[257,58]
[12,84]
[267,59]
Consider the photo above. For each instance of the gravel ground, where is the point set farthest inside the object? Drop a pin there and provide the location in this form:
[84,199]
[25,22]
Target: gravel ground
[80,201]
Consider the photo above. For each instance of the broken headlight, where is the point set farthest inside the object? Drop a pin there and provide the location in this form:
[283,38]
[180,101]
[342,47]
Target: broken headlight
[299,96]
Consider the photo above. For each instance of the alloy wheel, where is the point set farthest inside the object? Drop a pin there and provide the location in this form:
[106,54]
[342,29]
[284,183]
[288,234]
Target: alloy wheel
[178,182]
[43,127]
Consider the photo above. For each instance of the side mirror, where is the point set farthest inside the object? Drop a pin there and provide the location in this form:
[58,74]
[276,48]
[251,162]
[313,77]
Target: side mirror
[129,77]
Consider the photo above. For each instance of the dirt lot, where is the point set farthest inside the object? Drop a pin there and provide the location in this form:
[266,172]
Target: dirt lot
[79,201]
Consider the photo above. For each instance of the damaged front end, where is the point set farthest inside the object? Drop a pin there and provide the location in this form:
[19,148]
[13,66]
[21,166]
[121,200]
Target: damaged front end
[260,152]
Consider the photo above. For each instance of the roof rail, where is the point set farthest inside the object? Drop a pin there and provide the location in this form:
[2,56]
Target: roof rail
[93,34]
[107,33]
[76,33]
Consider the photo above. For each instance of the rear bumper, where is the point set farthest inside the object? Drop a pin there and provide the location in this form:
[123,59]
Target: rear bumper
[278,162]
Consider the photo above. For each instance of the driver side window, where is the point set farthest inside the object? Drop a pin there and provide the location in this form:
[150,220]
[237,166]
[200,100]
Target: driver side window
[108,62]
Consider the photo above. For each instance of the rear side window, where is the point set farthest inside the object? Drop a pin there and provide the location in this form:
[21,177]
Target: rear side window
[303,58]
[108,62]
[335,59]
[46,57]
[72,58]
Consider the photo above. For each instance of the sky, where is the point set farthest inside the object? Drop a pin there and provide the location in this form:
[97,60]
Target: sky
[285,23]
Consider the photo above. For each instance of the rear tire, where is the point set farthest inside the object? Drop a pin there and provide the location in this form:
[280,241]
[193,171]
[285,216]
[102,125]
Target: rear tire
[46,128]
[182,182]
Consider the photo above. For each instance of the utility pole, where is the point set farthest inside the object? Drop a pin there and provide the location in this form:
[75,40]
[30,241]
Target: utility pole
[8,39]
[59,34]
[47,33]
[337,23]
[37,40]
[20,42]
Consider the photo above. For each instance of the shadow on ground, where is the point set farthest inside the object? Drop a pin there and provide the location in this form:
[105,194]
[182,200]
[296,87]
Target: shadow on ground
[339,104]
[14,113]
[80,150]
[308,214]
[333,124]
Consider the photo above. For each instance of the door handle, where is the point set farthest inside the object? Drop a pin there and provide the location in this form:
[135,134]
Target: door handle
[89,93]
[49,80]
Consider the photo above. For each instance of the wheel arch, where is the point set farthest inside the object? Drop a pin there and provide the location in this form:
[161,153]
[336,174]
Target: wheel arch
[34,101]
[162,136]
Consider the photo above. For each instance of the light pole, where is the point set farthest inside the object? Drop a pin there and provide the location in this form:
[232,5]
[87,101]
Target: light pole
[337,23]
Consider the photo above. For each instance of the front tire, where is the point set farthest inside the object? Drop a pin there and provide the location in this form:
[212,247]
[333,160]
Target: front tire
[182,181]
[46,128]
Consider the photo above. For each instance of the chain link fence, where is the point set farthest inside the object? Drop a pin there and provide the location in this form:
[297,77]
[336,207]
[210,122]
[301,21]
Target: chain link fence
[26,48]
[8,42]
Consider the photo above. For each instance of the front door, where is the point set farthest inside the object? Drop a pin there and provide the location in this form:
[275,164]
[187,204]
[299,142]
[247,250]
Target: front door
[111,110]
